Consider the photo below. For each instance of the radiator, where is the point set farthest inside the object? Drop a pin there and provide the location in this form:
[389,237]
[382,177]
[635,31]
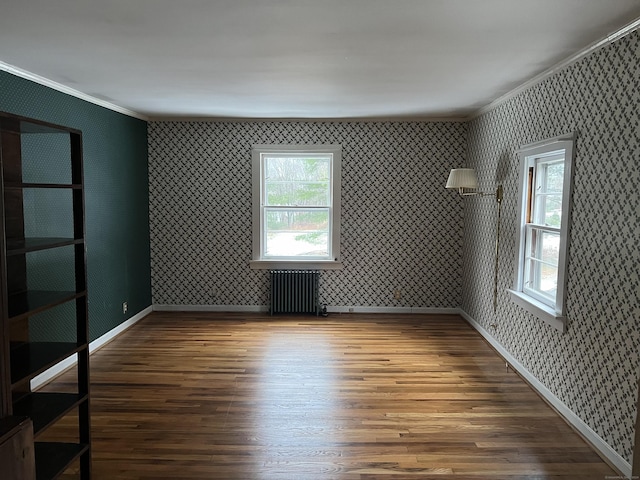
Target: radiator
[294,291]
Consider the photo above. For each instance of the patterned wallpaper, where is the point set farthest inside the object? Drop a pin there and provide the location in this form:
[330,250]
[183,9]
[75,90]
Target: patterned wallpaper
[593,367]
[400,228]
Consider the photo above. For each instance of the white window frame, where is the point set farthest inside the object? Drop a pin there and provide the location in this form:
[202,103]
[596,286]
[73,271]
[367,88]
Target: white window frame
[333,259]
[552,311]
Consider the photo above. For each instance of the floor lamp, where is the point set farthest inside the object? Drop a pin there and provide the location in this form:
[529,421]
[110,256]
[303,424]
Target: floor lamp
[465,181]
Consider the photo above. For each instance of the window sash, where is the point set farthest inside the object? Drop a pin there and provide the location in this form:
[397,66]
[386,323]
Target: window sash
[540,275]
[317,242]
[540,272]
[544,196]
[299,181]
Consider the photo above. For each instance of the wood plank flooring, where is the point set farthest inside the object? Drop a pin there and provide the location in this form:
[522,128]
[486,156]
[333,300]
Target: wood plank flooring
[349,397]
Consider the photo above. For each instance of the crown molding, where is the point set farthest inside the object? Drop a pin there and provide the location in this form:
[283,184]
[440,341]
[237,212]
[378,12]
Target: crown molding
[391,119]
[19,72]
[617,35]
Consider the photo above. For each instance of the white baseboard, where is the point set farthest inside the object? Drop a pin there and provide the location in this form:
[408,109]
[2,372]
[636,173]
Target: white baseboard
[592,437]
[398,310]
[209,308]
[48,375]
[51,373]
[113,333]
[330,309]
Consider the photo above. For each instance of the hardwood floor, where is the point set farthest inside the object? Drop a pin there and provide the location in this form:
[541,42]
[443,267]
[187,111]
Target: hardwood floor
[362,397]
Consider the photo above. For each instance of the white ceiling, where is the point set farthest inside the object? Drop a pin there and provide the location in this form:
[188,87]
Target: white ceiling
[300,58]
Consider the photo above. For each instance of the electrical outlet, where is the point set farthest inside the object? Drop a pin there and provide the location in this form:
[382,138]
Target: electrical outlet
[125,307]
[397,294]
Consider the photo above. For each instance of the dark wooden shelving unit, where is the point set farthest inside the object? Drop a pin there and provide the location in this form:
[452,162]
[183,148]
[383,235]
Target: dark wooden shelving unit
[20,185]
[33,252]
[34,301]
[46,408]
[25,245]
[54,458]
[32,358]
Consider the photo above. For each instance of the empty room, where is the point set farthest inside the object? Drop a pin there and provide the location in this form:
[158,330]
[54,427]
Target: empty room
[320,240]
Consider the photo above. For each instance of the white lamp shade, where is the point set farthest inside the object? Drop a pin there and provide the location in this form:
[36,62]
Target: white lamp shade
[462,178]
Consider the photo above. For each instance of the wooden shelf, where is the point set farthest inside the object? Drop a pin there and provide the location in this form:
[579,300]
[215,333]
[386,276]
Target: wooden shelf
[53,458]
[54,199]
[26,245]
[18,186]
[35,301]
[31,359]
[45,409]
[21,125]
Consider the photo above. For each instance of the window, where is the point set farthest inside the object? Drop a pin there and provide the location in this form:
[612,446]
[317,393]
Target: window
[545,194]
[296,206]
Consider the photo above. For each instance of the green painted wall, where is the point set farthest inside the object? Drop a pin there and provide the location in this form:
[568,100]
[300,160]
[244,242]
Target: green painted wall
[116,201]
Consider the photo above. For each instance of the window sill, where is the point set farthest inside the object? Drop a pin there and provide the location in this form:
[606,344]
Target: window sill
[544,312]
[295,265]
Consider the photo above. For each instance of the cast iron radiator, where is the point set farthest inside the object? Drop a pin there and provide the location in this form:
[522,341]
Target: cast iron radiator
[294,291]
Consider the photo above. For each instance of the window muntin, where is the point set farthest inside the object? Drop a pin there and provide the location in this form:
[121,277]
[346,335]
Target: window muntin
[296,204]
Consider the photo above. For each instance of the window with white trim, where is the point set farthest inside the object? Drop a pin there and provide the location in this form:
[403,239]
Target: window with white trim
[296,206]
[544,202]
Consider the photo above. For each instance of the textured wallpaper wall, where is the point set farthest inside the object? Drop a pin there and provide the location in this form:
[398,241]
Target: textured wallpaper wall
[116,203]
[592,367]
[400,227]
[49,212]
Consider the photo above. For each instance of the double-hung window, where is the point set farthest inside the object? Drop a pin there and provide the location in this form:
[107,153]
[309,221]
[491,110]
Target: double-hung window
[545,195]
[296,206]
